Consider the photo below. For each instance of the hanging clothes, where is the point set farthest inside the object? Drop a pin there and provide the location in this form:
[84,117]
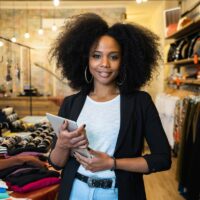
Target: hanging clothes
[188,165]
[166,105]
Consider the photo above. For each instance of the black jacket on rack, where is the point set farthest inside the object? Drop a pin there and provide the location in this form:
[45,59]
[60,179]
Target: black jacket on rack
[138,119]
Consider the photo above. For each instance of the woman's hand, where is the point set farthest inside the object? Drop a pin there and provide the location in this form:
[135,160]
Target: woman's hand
[75,139]
[99,162]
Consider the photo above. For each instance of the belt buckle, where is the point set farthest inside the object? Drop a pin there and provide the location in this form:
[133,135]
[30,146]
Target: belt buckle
[90,182]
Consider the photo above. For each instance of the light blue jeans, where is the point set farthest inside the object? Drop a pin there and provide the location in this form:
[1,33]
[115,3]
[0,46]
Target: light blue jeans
[81,191]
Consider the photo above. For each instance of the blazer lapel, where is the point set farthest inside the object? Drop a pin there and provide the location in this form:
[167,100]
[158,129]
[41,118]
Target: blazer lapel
[126,105]
[77,106]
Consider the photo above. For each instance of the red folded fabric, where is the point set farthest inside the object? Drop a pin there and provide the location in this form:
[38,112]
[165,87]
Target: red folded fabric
[35,185]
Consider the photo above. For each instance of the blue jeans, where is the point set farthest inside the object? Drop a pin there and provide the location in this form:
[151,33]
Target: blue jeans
[81,191]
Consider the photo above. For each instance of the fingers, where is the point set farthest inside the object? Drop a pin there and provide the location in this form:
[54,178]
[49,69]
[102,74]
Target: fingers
[99,162]
[73,139]
[94,153]
[85,162]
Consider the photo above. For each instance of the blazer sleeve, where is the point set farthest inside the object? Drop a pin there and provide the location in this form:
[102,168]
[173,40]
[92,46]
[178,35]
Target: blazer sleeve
[159,158]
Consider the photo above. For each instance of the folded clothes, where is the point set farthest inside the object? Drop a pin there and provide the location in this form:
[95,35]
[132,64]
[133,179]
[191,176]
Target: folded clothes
[30,153]
[21,170]
[23,178]
[4,195]
[5,172]
[2,190]
[35,185]
[3,184]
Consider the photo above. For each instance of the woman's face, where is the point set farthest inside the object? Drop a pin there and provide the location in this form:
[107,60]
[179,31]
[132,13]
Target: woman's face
[104,60]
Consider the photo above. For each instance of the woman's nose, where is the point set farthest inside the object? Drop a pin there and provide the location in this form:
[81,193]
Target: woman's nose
[105,62]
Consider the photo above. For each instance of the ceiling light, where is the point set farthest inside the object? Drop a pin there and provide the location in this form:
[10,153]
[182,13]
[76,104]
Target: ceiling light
[13,39]
[27,35]
[56,2]
[54,27]
[1,43]
[40,31]
[138,1]
[144,0]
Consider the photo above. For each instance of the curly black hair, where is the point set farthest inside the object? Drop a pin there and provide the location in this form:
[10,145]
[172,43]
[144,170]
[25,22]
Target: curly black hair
[139,47]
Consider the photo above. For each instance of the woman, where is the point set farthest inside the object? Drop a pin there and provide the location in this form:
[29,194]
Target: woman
[108,65]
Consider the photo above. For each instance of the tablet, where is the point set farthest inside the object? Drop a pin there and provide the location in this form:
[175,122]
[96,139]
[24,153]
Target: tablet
[57,121]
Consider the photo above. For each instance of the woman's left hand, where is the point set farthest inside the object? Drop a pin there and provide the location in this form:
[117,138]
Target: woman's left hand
[99,162]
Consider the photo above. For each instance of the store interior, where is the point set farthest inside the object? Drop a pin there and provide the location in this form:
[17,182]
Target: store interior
[31,85]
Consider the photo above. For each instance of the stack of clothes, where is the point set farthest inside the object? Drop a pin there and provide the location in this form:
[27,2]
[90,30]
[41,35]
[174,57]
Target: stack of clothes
[29,175]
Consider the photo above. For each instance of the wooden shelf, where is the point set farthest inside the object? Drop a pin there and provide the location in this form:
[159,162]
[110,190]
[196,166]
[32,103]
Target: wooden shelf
[191,81]
[187,30]
[182,61]
[187,81]
[40,105]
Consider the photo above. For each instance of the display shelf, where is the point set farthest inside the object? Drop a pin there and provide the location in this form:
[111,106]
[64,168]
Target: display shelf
[40,105]
[191,81]
[187,30]
[187,63]
[183,61]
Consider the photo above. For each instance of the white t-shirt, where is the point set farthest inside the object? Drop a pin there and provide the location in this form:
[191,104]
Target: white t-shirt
[102,121]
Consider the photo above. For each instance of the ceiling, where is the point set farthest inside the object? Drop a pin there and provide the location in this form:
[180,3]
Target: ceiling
[79,3]
[134,10]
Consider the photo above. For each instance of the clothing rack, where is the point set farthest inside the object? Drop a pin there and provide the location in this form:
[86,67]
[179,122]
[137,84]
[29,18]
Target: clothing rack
[29,60]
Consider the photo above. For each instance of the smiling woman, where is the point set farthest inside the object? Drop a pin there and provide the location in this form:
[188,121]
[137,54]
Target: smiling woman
[108,65]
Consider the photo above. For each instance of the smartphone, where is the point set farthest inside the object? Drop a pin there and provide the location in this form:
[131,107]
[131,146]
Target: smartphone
[57,121]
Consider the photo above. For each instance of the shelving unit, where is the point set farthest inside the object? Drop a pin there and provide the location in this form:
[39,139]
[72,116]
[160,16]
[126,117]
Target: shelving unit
[187,30]
[188,63]
[191,81]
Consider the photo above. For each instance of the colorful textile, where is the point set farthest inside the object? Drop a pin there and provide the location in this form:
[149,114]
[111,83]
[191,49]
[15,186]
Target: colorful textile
[35,185]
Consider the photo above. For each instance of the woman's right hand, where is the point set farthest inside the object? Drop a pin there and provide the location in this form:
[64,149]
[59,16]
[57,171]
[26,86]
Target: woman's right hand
[74,139]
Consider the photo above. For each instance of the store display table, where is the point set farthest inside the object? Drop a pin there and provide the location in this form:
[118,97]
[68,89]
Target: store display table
[47,193]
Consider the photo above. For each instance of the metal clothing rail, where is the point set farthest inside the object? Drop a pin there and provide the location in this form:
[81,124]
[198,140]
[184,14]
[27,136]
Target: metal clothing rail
[17,43]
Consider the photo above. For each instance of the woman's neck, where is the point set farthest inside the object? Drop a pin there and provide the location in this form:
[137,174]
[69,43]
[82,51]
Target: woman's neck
[102,94]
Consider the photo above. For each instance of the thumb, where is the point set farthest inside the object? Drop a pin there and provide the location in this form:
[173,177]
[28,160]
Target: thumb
[94,153]
[64,125]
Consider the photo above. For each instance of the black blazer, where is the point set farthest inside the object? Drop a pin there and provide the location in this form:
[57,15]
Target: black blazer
[139,119]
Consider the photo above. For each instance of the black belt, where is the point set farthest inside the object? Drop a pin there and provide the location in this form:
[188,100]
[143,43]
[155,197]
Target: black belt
[104,183]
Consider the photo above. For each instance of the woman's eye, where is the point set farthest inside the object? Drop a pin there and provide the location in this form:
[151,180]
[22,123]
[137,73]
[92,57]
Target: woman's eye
[96,56]
[114,57]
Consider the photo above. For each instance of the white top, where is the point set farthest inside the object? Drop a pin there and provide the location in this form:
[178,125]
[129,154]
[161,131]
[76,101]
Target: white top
[102,121]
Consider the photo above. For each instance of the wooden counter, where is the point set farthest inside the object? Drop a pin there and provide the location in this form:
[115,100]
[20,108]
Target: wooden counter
[40,105]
